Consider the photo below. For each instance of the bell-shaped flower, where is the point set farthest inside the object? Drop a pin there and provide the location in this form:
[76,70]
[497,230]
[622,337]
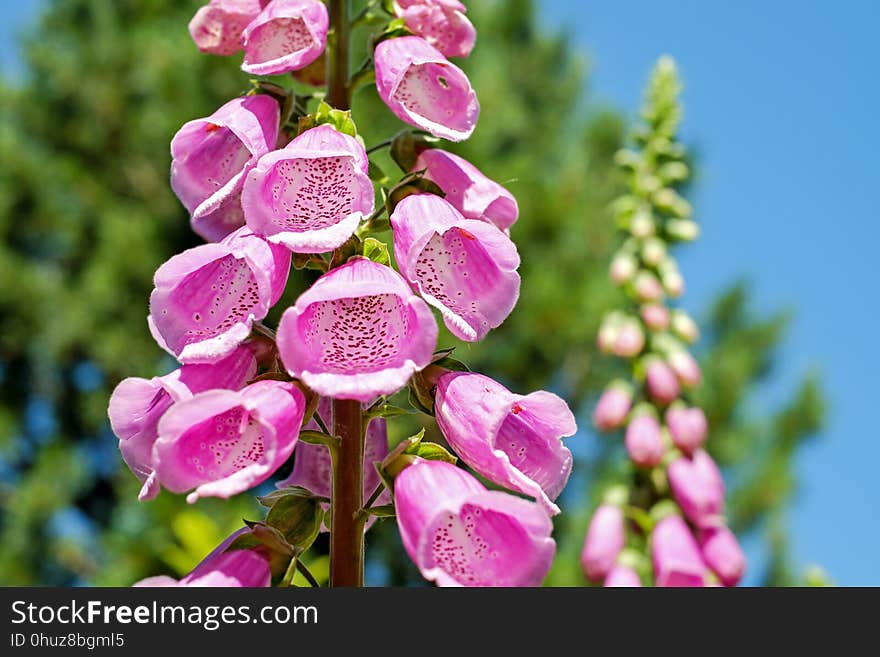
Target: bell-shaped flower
[207,298]
[312,468]
[467,189]
[358,332]
[238,568]
[605,538]
[137,404]
[464,267]
[223,442]
[287,35]
[723,555]
[621,576]
[698,488]
[676,557]
[216,27]
[460,534]
[212,156]
[644,441]
[512,440]
[422,88]
[441,23]
[311,194]
[687,426]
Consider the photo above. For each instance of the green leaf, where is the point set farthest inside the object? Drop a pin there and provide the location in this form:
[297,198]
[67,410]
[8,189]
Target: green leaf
[384,511]
[297,518]
[377,251]
[317,438]
[432,452]
[377,175]
[271,498]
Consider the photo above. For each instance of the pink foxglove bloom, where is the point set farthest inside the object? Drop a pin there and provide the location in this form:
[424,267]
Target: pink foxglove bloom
[605,539]
[222,442]
[313,470]
[687,426]
[460,534]
[661,382]
[723,555]
[216,28]
[422,88]
[286,36]
[698,488]
[467,189]
[685,367]
[613,407]
[644,442]
[212,156]
[311,194]
[239,568]
[512,440]
[621,576]
[464,267]
[441,23]
[677,560]
[206,299]
[357,333]
[137,404]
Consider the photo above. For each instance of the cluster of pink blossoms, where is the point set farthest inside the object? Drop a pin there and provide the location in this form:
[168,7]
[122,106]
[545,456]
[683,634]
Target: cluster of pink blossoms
[674,505]
[264,192]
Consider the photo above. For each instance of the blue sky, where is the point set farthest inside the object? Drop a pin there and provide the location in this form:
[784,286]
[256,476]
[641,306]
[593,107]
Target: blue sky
[780,100]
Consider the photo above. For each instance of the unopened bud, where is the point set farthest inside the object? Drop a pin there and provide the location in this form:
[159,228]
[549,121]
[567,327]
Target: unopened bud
[655,316]
[722,553]
[623,268]
[685,367]
[661,382]
[644,442]
[613,406]
[673,283]
[687,427]
[653,251]
[642,224]
[683,230]
[630,339]
[684,327]
[647,287]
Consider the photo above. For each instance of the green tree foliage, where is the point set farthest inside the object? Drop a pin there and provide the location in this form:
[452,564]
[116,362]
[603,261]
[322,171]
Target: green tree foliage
[87,215]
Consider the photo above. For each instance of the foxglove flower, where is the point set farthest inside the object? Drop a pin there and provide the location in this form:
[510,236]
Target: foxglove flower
[644,442]
[460,534]
[622,576]
[467,189]
[357,333]
[661,383]
[687,426]
[287,35]
[222,442]
[441,23]
[512,440]
[464,267]
[698,488]
[206,299]
[212,156]
[216,28]
[723,555]
[613,407]
[137,404]
[239,568]
[677,560]
[311,194]
[422,88]
[605,539]
[312,468]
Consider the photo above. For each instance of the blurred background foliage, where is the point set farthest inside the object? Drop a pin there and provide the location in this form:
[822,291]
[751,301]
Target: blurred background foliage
[87,215]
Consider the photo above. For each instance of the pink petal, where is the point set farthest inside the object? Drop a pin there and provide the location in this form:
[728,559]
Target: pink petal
[677,560]
[286,36]
[445,28]
[605,539]
[216,28]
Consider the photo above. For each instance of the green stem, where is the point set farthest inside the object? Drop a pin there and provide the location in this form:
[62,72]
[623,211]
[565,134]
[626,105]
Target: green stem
[337,56]
[346,522]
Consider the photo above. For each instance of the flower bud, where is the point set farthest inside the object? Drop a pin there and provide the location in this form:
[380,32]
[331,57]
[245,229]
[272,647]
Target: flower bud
[613,406]
[644,442]
[655,316]
[677,559]
[673,282]
[661,382]
[722,553]
[685,367]
[647,287]
[687,426]
[608,332]
[653,251]
[684,230]
[630,339]
[641,225]
[684,327]
[622,576]
[623,268]
[605,539]
[698,488]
